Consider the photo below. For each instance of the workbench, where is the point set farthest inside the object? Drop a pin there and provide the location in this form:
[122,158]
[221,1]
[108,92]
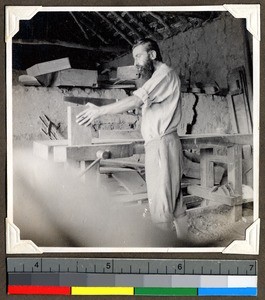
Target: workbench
[207,144]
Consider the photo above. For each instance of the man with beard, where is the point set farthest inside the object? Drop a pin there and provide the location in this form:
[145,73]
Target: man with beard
[159,98]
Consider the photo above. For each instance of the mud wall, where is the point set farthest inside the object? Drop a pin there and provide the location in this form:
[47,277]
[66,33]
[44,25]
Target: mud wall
[206,113]
[205,54]
[29,103]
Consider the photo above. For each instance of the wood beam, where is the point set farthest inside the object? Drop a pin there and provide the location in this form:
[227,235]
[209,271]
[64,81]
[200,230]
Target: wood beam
[117,50]
[217,197]
[79,25]
[92,30]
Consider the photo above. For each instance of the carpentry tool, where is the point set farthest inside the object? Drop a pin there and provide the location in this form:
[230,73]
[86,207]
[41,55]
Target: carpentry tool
[141,277]
[51,129]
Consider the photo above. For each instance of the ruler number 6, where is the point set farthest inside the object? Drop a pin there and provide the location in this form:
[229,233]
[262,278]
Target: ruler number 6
[180,266]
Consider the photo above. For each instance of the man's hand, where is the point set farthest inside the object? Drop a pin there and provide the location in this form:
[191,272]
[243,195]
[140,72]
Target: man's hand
[87,116]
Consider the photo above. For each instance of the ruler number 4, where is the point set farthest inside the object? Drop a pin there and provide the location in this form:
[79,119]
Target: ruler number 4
[36,264]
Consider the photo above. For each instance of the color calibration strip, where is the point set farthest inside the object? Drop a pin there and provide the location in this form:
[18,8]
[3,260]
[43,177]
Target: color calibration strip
[131,277]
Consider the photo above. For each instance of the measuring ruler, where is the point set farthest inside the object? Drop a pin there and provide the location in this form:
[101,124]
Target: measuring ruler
[150,277]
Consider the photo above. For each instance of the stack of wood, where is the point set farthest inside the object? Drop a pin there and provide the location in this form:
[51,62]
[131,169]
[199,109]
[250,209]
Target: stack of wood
[59,72]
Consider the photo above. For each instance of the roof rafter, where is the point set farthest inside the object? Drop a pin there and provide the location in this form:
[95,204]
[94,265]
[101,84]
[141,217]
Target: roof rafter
[126,24]
[114,27]
[94,31]
[79,25]
[160,20]
[140,24]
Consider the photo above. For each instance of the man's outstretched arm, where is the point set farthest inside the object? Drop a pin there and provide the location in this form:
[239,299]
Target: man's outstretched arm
[87,116]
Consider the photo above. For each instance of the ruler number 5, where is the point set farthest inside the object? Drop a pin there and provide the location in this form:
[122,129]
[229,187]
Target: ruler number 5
[108,266]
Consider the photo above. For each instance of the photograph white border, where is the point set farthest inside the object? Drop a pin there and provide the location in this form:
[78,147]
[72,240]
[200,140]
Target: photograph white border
[251,12]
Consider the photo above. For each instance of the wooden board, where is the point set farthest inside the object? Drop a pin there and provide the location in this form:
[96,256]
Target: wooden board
[207,141]
[85,100]
[49,67]
[45,149]
[120,134]
[206,193]
[242,114]
[117,86]
[28,80]
[206,168]
[89,152]
[121,163]
[76,77]
[196,141]
[232,115]
[116,140]
[77,135]
[131,181]
[110,170]
[127,73]
[234,170]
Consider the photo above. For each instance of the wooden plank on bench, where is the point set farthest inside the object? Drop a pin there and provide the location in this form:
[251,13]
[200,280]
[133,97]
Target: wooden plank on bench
[89,152]
[118,140]
[131,181]
[77,135]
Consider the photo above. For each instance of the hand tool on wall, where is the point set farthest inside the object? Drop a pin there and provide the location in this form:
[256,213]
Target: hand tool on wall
[50,128]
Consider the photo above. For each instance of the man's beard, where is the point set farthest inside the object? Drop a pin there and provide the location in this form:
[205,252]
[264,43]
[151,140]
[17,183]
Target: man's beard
[146,71]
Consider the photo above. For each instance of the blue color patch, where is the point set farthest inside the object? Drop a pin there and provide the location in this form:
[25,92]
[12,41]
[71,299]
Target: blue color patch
[227,292]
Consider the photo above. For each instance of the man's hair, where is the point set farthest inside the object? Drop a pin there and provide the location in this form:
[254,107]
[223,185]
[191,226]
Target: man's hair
[150,45]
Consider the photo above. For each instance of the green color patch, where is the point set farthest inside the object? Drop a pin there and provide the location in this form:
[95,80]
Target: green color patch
[156,291]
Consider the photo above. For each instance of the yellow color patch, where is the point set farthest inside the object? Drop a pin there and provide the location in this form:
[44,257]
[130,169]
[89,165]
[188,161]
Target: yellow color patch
[75,290]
